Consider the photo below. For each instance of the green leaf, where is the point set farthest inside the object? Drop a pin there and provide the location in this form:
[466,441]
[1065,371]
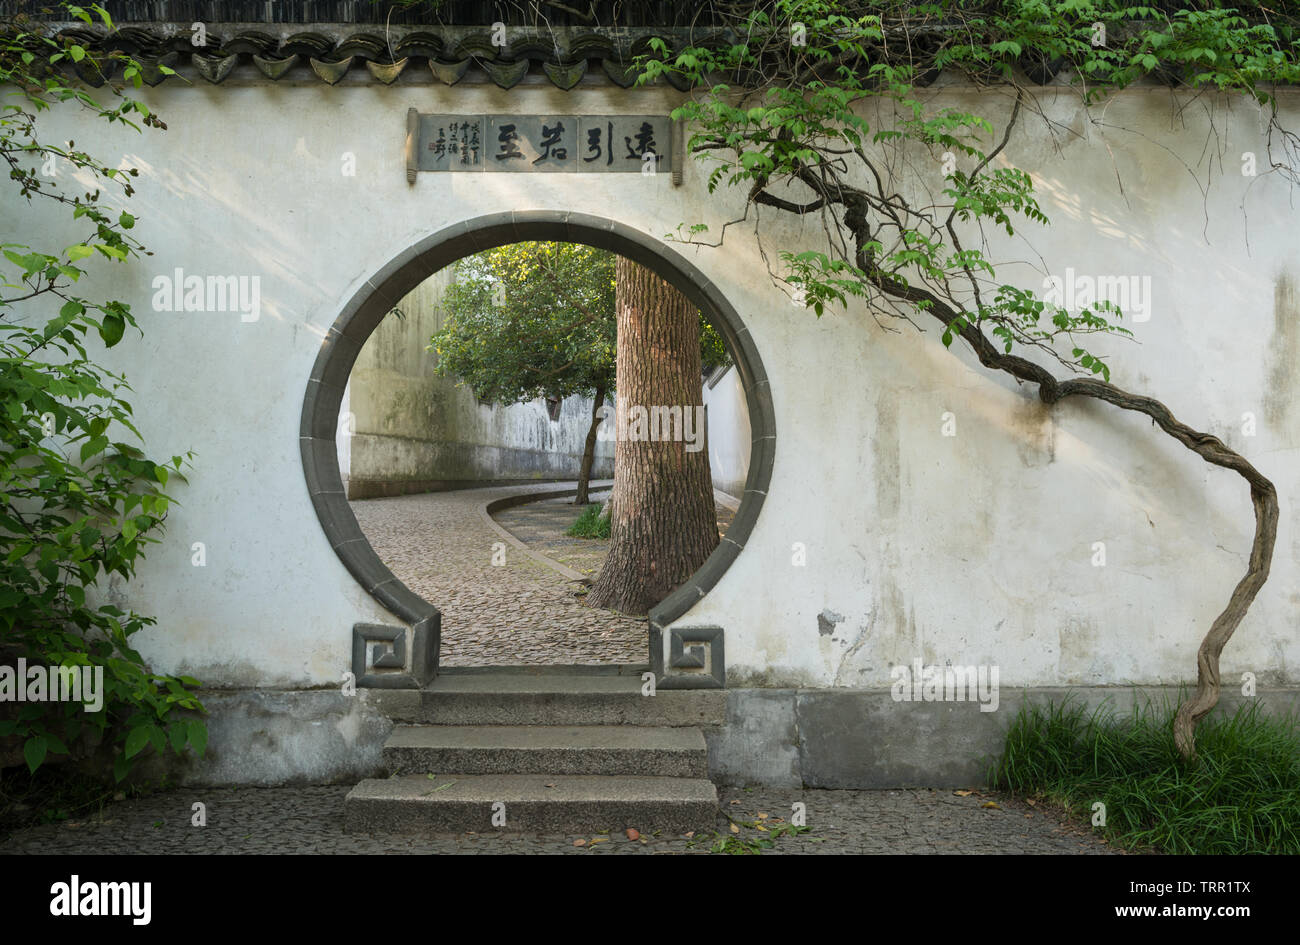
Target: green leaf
[198,736]
[92,446]
[29,264]
[136,739]
[34,752]
[112,328]
[79,251]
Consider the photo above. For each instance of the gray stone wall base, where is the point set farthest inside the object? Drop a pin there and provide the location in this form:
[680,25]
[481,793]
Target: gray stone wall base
[267,737]
[387,488]
[845,738]
[818,738]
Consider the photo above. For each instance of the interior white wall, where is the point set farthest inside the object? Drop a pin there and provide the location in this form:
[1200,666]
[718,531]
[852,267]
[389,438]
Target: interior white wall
[413,429]
[729,433]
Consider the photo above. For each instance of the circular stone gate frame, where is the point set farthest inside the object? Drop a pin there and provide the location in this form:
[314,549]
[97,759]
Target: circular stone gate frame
[407,657]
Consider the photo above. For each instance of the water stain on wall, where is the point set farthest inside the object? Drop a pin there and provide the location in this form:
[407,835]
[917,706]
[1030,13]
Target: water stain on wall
[1035,433]
[884,444]
[1081,659]
[1284,354]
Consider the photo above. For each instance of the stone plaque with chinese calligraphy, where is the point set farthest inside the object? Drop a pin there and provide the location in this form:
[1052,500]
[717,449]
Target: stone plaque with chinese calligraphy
[450,143]
[581,144]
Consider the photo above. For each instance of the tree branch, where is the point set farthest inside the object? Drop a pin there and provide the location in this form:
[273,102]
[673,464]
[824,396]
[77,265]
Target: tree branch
[1051,391]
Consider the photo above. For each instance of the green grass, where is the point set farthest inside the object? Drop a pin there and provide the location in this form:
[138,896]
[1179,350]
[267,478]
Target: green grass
[1241,795]
[589,524]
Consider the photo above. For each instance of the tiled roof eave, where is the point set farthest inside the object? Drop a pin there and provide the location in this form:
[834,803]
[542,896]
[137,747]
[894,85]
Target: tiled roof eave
[298,54]
[333,53]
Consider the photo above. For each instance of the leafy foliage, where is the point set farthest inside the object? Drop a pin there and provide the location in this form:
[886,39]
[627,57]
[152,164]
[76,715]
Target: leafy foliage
[783,109]
[81,500]
[532,320]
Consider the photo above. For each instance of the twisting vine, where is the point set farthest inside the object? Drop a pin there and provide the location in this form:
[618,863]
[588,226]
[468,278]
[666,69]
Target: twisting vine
[778,108]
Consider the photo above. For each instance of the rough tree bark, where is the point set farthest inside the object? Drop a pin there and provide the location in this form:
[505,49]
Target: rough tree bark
[663,522]
[589,450]
[857,206]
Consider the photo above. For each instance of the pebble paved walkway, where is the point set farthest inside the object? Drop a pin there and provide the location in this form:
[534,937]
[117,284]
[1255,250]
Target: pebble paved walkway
[309,820]
[513,614]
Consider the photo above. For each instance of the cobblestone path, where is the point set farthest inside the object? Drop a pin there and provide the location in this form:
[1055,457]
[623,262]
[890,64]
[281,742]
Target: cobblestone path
[513,614]
[310,820]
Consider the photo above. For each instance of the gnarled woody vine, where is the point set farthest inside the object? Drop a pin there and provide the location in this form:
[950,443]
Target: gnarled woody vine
[778,107]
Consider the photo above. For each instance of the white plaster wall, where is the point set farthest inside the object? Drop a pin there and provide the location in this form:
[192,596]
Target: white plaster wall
[729,435]
[974,548]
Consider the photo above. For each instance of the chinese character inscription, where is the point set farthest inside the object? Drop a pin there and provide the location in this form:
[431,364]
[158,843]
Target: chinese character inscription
[543,143]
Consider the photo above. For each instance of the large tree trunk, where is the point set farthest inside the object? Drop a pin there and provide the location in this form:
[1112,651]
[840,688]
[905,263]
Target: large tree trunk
[663,519]
[589,450]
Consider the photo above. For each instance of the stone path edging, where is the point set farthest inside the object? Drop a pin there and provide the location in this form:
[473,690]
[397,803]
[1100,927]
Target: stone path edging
[492,505]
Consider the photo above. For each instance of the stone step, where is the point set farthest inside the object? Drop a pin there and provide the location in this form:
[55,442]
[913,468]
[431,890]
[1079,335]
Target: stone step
[541,803]
[554,699]
[547,749]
